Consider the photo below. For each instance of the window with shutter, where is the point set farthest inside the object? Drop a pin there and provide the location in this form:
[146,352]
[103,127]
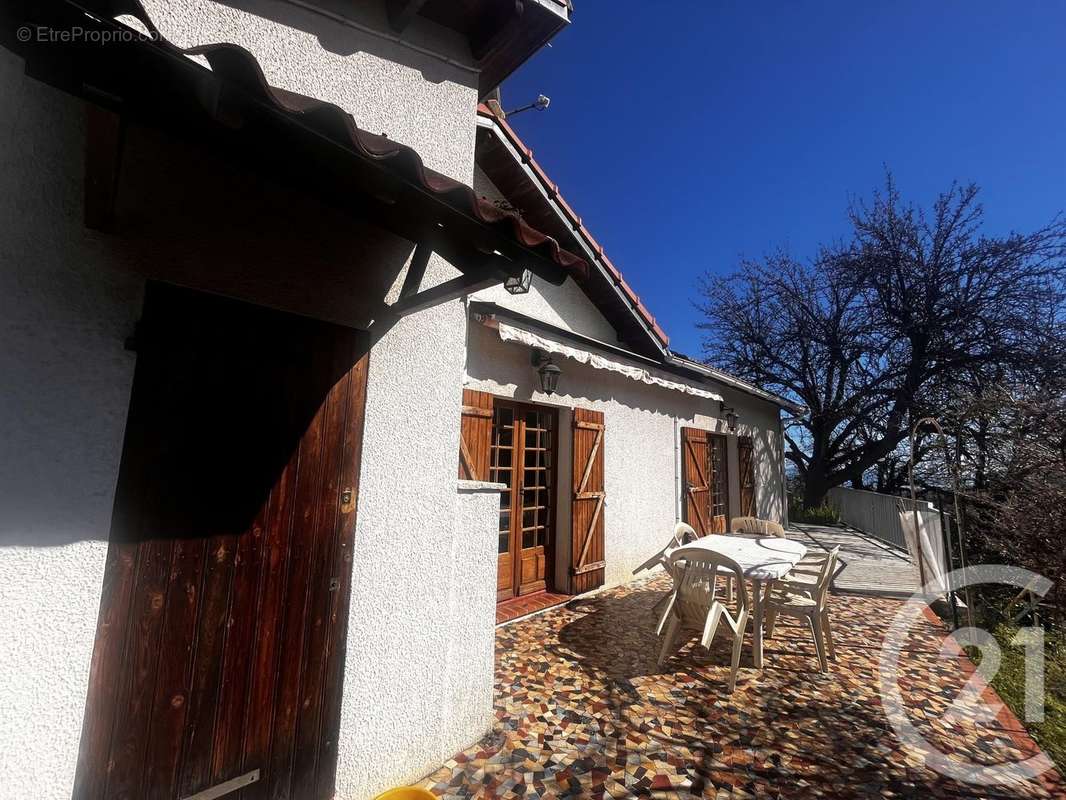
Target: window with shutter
[475,436]
[587,508]
[705,485]
[719,484]
[746,464]
[696,484]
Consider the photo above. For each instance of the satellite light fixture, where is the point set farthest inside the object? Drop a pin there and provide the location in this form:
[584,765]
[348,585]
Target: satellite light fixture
[541,104]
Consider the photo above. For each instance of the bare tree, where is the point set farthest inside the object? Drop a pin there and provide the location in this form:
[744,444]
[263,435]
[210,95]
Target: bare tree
[887,326]
[1018,515]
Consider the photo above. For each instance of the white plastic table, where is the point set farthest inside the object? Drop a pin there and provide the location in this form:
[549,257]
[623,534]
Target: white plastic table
[761,559]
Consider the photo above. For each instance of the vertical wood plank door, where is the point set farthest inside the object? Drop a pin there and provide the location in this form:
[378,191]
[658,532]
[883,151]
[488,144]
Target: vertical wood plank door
[522,457]
[220,643]
[746,465]
[696,480]
[589,555]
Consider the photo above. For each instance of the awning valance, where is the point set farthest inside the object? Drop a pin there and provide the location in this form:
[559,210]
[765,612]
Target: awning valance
[513,333]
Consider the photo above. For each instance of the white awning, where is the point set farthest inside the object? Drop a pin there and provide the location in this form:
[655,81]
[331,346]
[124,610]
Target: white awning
[510,333]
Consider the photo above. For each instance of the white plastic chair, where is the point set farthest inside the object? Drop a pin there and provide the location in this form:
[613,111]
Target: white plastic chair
[695,601]
[804,593]
[683,534]
[760,527]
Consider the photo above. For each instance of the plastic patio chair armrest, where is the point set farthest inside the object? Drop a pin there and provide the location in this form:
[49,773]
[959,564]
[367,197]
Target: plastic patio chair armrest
[804,589]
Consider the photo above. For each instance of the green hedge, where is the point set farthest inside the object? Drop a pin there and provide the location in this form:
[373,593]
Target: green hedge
[824,514]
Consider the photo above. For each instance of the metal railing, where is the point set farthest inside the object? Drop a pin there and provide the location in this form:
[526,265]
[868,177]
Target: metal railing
[878,514]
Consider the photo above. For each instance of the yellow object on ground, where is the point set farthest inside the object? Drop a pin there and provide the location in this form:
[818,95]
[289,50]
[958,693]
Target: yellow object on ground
[407,793]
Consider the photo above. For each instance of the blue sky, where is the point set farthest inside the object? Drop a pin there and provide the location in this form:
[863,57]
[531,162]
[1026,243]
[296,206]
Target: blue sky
[690,134]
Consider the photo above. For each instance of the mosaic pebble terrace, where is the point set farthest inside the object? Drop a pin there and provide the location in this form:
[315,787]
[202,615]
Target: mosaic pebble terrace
[582,710]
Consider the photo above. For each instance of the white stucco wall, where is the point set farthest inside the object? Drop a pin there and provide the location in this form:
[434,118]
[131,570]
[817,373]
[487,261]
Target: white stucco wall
[63,395]
[641,445]
[470,663]
[400,712]
[565,306]
[415,690]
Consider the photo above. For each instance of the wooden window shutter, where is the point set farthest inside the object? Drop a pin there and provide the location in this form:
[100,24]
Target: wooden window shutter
[587,513]
[746,463]
[696,480]
[475,436]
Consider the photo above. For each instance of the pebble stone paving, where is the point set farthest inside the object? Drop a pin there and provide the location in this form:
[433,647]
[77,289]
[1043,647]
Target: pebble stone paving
[583,711]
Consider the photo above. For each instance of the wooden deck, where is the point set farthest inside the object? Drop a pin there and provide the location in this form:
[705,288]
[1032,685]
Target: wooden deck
[871,566]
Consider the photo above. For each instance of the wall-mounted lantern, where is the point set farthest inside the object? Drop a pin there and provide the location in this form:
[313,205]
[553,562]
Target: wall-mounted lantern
[730,415]
[547,370]
[519,284]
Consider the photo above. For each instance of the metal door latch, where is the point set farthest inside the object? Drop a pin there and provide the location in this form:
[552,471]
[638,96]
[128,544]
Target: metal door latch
[220,789]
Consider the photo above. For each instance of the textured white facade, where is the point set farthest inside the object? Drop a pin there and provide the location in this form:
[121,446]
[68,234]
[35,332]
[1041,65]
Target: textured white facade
[565,306]
[65,387]
[70,297]
[641,445]
[642,442]
[419,672]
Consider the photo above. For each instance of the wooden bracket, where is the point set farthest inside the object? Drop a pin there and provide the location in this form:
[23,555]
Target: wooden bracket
[417,271]
[465,284]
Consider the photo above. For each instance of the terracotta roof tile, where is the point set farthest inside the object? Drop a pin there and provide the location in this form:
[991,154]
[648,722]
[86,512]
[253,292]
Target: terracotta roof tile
[575,219]
[615,273]
[231,66]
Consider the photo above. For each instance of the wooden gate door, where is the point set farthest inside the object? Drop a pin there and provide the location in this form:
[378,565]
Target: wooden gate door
[220,646]
[522,458]
[705,503]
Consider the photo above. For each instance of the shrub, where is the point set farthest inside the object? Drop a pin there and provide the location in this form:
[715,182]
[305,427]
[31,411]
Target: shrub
[823,514]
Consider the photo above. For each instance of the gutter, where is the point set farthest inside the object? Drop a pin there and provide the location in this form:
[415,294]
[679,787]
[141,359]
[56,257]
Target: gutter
[736,383]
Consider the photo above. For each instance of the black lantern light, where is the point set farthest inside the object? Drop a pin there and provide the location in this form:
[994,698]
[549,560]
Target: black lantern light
[519,284]
[730,415]
[548,371]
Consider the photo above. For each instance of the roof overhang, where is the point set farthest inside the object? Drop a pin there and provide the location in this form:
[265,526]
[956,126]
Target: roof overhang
[736,383]
[304,142]
[511,167]
[502,34]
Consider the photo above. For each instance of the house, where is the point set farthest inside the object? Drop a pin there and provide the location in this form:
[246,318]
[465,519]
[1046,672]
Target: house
[639,436]
[255,320]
